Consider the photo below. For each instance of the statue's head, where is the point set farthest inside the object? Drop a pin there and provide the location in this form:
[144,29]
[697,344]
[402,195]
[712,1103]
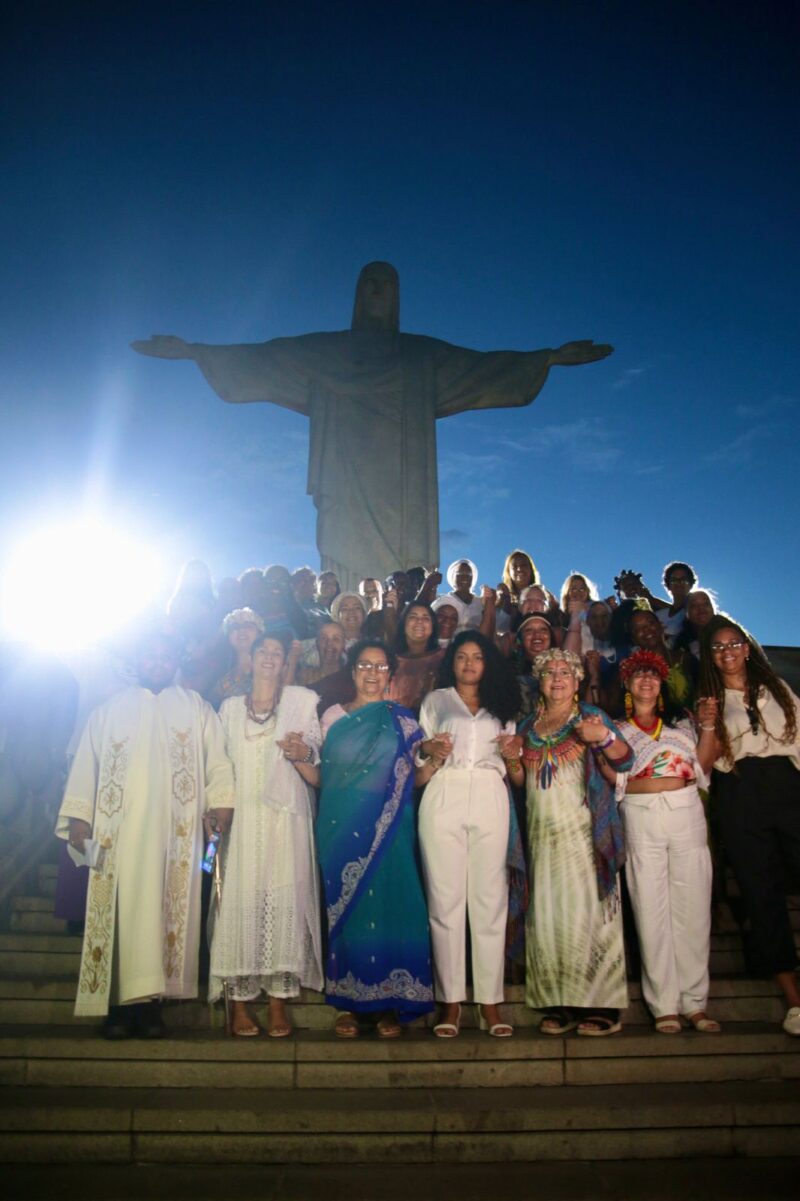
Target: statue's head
[377,304]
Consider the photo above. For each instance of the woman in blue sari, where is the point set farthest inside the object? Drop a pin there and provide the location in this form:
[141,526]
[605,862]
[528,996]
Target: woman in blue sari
[379,959]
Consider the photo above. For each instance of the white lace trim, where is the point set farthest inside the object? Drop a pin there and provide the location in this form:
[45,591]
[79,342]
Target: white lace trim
[398,984]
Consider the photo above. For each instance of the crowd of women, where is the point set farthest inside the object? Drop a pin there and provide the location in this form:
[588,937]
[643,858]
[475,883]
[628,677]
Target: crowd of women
[434,781]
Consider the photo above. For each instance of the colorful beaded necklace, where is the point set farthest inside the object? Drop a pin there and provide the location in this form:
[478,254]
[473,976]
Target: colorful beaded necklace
[552,750]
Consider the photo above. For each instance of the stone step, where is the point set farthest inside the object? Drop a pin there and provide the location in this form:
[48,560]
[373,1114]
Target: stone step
[734,999]
[35,922]
[35,904]
[735,1178]
[40,963]
[78,1057]
[378,1125]
[59,943]
[49,956]
[49,1000]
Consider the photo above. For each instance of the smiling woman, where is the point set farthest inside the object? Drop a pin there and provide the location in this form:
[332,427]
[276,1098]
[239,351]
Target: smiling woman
[756,791]
[378,954]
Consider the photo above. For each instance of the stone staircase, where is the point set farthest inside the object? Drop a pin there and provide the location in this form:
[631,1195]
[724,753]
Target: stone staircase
[197,1097]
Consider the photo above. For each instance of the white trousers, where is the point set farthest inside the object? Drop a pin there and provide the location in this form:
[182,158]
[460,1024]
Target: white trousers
[668,869]
[463,837]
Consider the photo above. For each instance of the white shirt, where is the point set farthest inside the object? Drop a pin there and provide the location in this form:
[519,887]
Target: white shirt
[767,739]
[672,622]
[474,735]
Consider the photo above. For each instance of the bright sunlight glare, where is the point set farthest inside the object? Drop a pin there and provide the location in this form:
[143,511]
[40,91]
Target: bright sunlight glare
[73,583]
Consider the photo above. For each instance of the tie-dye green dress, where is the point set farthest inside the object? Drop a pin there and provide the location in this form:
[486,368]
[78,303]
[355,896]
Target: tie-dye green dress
[575,954]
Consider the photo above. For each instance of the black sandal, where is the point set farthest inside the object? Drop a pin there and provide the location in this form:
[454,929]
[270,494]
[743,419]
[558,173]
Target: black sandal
[597,1025]
[557,1022]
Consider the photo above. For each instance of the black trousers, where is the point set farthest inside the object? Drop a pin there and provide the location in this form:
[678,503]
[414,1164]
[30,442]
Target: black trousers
[758,813]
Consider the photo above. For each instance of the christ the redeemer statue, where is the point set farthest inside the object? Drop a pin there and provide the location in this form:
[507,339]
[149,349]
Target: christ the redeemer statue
[373,396]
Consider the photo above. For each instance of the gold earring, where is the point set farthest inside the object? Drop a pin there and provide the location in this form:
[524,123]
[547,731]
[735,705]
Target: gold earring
[628,705]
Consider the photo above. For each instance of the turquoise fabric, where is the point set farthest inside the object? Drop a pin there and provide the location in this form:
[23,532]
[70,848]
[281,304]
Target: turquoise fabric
[378,943]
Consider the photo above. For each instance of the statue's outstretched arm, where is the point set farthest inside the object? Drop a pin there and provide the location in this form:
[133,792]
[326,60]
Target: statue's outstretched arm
[276,371]
[574,354]
[164,346]
[498,379]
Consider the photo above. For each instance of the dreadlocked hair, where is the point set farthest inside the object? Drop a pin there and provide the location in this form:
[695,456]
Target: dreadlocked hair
[760,675]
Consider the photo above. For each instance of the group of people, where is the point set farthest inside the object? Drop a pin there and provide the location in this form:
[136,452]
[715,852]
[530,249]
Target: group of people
[406,780]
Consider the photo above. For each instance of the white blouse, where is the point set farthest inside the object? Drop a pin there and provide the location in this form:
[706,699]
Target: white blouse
[474,735]
[767,739]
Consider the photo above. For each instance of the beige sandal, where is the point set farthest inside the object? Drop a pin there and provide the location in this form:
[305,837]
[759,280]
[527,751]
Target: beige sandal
[346,1026]
[703,1023]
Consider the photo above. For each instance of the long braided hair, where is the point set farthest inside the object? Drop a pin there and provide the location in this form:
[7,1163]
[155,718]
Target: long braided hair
[759,675]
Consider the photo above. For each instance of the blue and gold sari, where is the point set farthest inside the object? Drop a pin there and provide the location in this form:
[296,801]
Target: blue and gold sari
[378,944]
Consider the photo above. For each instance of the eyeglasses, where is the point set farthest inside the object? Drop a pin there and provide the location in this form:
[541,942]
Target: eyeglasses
[727,646]
[557,675]
[381,668]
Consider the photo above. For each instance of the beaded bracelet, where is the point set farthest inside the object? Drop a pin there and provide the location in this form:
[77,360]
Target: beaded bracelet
[604,745]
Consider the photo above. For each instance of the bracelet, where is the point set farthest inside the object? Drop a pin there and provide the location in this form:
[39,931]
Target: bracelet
[711,727]
[604,745]
[309,757]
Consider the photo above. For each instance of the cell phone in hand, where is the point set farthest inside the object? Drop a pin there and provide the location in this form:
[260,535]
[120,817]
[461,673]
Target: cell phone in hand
[211,853]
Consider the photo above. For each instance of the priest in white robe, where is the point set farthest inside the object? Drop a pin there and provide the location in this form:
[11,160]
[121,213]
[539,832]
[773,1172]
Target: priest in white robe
[150,765]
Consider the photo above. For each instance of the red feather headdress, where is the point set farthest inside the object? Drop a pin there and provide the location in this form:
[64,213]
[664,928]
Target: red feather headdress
[643,660]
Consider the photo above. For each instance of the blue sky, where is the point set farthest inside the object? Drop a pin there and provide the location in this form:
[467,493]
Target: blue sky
[537,172]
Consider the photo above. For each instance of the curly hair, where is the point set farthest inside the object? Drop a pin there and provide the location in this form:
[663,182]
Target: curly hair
[401,639]
[760,674]
[370,644]
[554,655]
[676,565]
[498,690]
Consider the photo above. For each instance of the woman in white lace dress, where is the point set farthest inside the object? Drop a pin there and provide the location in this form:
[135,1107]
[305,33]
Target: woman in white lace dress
[267,935]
